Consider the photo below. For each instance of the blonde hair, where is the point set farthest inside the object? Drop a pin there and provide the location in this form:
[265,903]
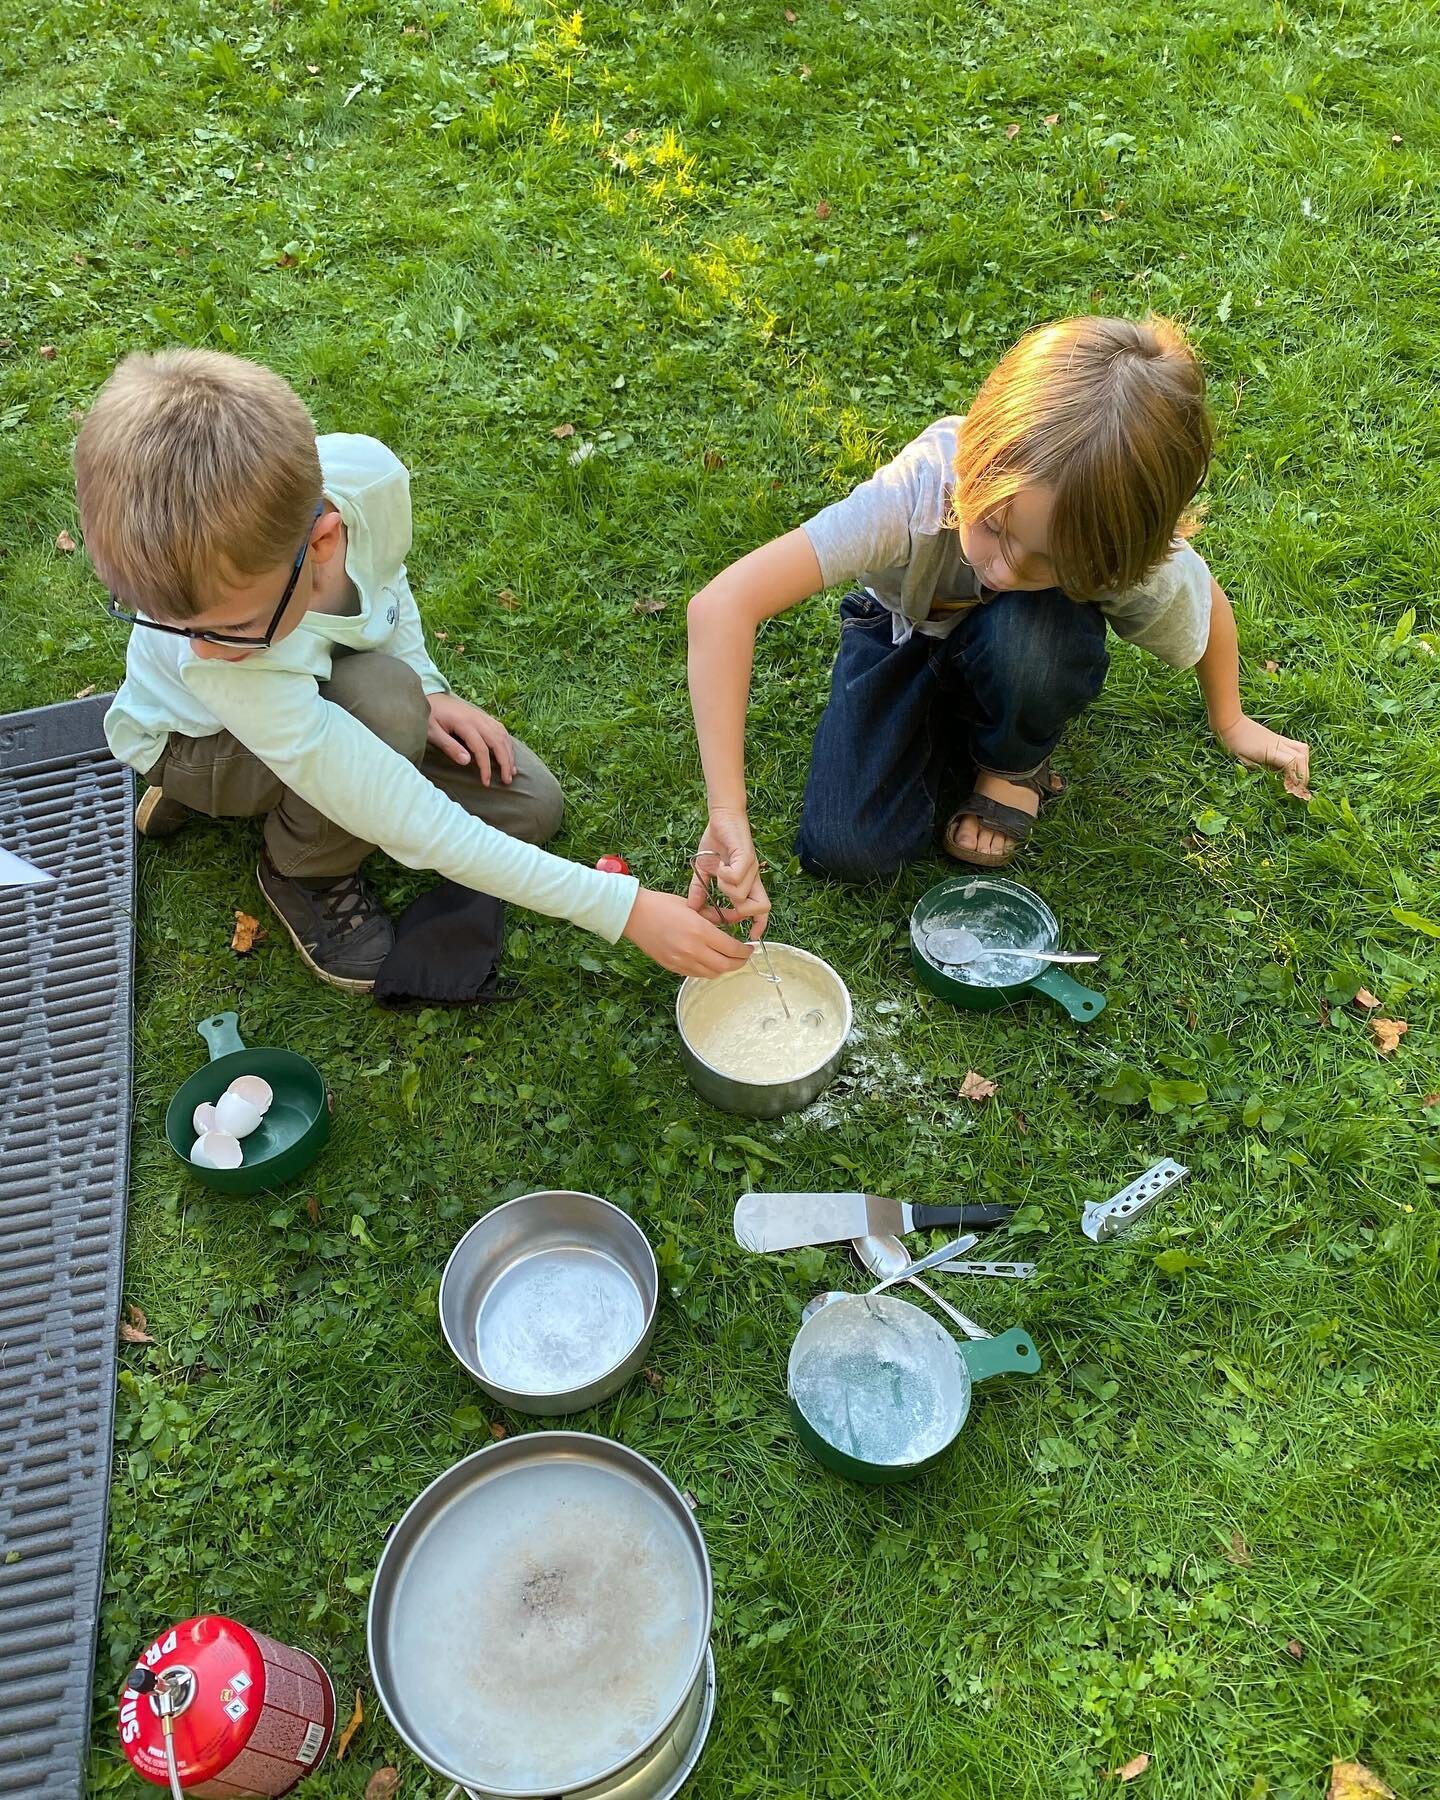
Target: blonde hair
[1110,415]
[192,465]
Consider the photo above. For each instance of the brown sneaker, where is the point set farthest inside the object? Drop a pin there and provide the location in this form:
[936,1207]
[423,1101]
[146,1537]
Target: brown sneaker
[338,926]
[157,817]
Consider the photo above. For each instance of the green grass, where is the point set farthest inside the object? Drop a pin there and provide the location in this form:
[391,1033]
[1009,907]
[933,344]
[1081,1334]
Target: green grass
[460,229]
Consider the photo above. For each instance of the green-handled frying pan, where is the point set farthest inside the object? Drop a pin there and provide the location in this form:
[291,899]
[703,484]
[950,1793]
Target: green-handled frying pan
[287,1139]
[999,913]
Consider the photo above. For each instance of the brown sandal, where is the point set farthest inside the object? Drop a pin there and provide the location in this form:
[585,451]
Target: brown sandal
[1010,820]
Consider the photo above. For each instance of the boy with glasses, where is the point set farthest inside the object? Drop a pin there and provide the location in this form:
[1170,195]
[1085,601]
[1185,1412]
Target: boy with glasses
[277,666]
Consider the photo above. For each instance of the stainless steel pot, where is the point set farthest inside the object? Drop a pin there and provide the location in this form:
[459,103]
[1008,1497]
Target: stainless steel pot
[763,1099]
[549,1301]
[539,1624]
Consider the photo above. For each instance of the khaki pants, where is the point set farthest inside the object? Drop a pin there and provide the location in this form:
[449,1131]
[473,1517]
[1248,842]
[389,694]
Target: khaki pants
[218,776]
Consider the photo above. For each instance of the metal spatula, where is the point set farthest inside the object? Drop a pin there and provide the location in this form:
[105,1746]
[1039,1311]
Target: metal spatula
[955,946]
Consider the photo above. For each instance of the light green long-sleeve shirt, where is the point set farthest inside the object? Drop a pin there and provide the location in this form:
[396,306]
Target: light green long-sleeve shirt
[272,703]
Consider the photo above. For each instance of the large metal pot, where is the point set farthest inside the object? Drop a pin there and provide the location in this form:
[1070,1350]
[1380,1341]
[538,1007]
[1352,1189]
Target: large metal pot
[539,1624]
[762,1099]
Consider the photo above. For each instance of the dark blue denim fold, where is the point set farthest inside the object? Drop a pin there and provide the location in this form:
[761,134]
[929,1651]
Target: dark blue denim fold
[996,694]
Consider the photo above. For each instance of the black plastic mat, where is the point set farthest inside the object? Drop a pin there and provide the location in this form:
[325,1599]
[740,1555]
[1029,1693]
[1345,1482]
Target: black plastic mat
[65,998]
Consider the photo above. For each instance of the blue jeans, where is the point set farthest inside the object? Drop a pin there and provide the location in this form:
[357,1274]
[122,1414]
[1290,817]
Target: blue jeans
[996,694]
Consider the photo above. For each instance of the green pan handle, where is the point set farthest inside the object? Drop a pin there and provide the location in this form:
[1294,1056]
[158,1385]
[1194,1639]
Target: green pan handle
[1082,1003]
[221,1034]
[1012,1353]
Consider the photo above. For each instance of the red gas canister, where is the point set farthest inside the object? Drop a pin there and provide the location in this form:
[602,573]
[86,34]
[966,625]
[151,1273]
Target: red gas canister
[249,1716]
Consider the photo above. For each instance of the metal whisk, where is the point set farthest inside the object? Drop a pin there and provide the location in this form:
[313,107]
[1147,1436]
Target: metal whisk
[706,864]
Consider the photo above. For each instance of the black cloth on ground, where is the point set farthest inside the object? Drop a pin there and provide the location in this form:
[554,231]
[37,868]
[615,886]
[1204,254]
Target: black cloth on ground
[446,952]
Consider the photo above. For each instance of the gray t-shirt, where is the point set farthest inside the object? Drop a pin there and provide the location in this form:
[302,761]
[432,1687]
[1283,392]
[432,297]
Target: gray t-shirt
[895,536]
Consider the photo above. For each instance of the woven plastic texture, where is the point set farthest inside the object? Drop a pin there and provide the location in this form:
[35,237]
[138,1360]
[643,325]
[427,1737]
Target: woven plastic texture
[66,951]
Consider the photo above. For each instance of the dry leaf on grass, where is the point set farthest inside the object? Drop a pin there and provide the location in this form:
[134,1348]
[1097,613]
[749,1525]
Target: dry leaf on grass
[1272,668]
[135,1327]
[1052,120]
[1012,132]
[644,604]
[1238,1551]
[312,1208]
[247,934]
[506,598]
[1387,1034]
[562,431]
[713,460]
[1363,997]
[1353,1781]
[789,16]
[1294,783]
[357,1719]
[498,1431]
[1431,1100]
[48,352]
[85,692]
[822,209]
[382,1784]
[1137,1765]
[65,543]
[654,1380]
[976,1087]
[1295,1649]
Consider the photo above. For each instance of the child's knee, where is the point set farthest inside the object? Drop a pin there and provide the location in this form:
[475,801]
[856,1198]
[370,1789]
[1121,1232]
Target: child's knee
[542,806]
[387,697]
[844,855]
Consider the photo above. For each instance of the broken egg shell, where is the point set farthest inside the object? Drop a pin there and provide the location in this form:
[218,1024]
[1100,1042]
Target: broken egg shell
[217,1150]
[203,1118]
[254,1089]
[235,1115]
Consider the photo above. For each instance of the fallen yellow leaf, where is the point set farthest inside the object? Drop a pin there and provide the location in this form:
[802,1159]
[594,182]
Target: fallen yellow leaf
[382,1784]
[1387,1034]
[357,1719]
[1353,1781]
[1363,997]
[66,544]
[506,598]
[562,431]
[135,1327]
[1238,1552]
[976,1087]
[247,934]
[1294,783]
[1012,132]
[1137,1765]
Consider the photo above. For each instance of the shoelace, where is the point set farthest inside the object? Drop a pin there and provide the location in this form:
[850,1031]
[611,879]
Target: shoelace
[347,903]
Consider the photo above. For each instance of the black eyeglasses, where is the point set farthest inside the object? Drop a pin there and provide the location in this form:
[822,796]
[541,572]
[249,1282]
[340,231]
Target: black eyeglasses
[117,611]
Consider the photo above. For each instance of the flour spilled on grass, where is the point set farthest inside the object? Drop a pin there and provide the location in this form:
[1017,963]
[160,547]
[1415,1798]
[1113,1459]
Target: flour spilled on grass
[872,1069]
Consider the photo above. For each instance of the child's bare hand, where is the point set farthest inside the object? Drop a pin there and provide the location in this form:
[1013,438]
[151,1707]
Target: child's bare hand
[466,735]
[1263,748]
[674,935]
[727,855]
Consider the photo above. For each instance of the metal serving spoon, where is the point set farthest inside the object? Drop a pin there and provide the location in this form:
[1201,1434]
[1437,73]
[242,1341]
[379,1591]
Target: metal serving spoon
[896,1266]
[954,946]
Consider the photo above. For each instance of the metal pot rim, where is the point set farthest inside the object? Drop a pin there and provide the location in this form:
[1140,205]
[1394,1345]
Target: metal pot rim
[517,1397]
[692,982]
[517,1448]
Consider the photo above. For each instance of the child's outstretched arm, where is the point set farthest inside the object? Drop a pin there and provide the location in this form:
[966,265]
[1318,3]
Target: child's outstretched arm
[1218,672]
[723,618]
